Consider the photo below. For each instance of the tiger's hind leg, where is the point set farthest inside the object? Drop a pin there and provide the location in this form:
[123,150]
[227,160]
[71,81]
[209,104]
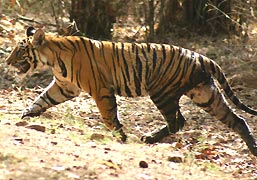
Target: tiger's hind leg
[208,97]
[175,121]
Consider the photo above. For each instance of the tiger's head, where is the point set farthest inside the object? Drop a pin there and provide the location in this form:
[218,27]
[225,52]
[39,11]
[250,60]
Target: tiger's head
[24,56]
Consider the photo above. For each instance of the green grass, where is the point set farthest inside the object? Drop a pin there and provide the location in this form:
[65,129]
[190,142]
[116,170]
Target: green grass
[7,159]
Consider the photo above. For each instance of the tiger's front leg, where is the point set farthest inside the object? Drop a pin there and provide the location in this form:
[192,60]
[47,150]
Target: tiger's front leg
[106,103]
[55,93]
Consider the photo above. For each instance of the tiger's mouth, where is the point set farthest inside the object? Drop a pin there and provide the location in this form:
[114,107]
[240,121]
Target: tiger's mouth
[22,67]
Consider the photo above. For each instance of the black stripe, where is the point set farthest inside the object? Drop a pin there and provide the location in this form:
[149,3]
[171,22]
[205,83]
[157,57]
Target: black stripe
[144,53]
[62,65]
[72,44]
[103,54]
[115,73]
[129,51]
[52,101]
[65,94]
[96,60]
[138,65]
[212,67]
[117,55]
[191,76]
[125,62]
[163,53]
[192,55]
[154,58]
[148,47]
[35,103]
[126,78]
[229,91]
[127,90]
[180,51]
[133,47]
[220,100]
[35,61]
[146,63]
[159,72]
[92,48]
[201,60]
[168,67]
[186,65]
[113,48]
[78,77]
[57,79]
[137,83]
[236,101]
[221,78]
[77,42]
[160,65]
[90,61]
[45,100]
[60,45]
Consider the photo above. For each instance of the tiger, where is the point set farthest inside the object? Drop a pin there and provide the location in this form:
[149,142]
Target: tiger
[105,69]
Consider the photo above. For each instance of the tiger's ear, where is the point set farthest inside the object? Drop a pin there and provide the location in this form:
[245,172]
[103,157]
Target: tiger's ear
[30,31]
[38,38]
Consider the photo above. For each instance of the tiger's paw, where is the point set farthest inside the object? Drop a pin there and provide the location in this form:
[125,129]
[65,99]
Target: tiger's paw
[149,139]
[120,135]
[156,136]
[123,137]
[29,112]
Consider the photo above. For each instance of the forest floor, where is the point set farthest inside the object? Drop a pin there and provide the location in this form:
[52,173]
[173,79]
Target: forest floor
[69,141]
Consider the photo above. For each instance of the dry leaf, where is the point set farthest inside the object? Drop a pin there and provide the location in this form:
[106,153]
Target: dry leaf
[37,127]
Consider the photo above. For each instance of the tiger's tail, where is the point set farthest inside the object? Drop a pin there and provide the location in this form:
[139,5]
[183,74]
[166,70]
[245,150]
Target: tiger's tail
[213,68]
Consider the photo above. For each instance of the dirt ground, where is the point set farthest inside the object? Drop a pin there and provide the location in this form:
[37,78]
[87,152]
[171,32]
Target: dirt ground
[69,141]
